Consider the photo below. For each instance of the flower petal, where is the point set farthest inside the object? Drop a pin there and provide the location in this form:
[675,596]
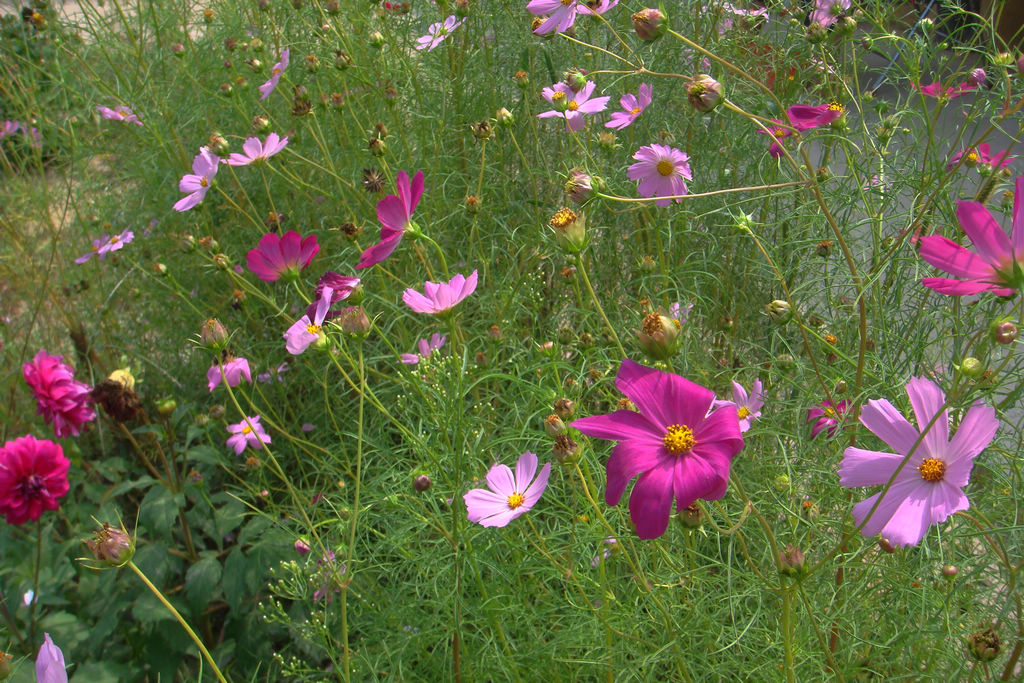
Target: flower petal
[650,503]
[627,460]
[988,238]
[927,398]
[862,467]
[664,398]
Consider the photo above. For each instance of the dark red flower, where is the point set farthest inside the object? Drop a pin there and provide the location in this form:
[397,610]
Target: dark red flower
[33,475]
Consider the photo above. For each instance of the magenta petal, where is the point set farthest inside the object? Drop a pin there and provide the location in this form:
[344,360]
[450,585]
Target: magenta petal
[665,399]
[413,198]
[391,213]
[694,477]
[862,467]
[627,460]
[620,425]
[963,287]
[988,238]
[650,503]
[1017,233]
[947,255]
[378,252]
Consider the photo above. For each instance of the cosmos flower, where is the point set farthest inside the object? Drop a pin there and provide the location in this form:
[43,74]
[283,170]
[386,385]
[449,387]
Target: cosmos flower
[50,667]
[827,11]
[610,544]
[257,152]
[281,257]
[342,286]
[437,33]
[806,116]
[306,330]
[395,215]
[8,128]
[63,400]
[826,416]
[932,468]
[234,370]
[572,105]
[248,432]
[632,105]
[197,183]
[439,297]
[275,75]
[507,496]
[33,475]
[119,113]
[426,348]
[996,268]
[980,156]
[661,171]
[680,448]
[748,406]
[265,377]
[936,90]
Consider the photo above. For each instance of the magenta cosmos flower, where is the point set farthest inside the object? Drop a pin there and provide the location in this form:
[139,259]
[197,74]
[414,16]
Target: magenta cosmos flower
[510,495]
[281,257]
[806,116]
[50,667]
[63,400]
[980,156]
[826,416]
[426,348]
[632,105]
[257,152]
[275,75]
[8,128]
[395,216]
[119,113]
[197,183]
[679,447]
[341,287]
[748,405]
[572,105]
[928,488]
[437,33]
[306,330]
[439,297]
[827,11]
[33,475]
[661,171]
[248,432]
[234,370]
[936,90]
[995,268]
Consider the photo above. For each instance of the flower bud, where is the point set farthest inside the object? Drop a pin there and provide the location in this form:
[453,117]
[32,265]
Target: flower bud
[791,561]
[659,336]
[1003,332]
[218,144]
[504,117]
[565,449]
[553,425]
[564,407]
[781,483]
[649,24]
[225,89]
[301,547]
[482,130]
[949,571]
[779,311]
[354,321]
[5,665]
[703,92]
[885,545]
[692,516]
[111,546]
[978,77]
[341,60]
[421,482]
[260,124]
[824,248]
[846,26]
[972,367]
[472,204]
[579,186]
[494,333]
[213,335]
[217,411]
[1020,63]
[222,261]
[312,63]
[575,79]
[521,78]
[815,33]
[984,645]
[208,16]
[255,64]
[376,146]
[178,50]
[376,39]
[570,230]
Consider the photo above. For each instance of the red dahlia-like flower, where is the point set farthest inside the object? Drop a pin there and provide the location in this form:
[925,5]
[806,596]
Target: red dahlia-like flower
[63,401]
[33,475]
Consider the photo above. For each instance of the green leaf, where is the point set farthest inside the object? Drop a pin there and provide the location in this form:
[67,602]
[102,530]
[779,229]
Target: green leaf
[204,454]
[201,582]
[235,568]
[159,510]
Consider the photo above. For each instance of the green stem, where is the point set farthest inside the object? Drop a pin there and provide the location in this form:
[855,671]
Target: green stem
[345,654]
[597,304]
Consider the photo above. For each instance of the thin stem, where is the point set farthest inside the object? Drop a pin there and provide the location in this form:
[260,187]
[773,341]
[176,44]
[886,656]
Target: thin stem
[597,304]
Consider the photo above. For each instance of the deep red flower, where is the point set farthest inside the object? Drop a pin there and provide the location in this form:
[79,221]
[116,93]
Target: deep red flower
[33,475]
[63,401]
[282,257]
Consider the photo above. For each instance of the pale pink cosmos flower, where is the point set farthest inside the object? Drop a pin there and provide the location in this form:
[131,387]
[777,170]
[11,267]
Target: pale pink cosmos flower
[119,113]
[95,250]
[439,297]
[827,11]
[632,105]
[610,544]
[281,257]
[395,215]
[748,405]
[826,416]
[661,171]
[998,267]
[248,432]
[731,14]
[8,128]
[258,152]
[234,370]
[426,348]
[275,75]
[305,331]
[932,468]
[563,12]
[507,495]
[265,377]
[680,312]
[116,242]
[197,183]
[50,667]
[437,33]
[981,156]
[572,105]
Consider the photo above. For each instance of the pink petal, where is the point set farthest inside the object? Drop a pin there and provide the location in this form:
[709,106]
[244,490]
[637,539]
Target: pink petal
[417,302]
[650,504]
[1017,233]
[664,398]
[482,504]
[889,425]
[627,460]
[963,287]
[947,255]
[378,252]
[532,494]
[501,481]
[695,477]
[988,238]
[620,425]
[861,467]
[927,398]
[975,433]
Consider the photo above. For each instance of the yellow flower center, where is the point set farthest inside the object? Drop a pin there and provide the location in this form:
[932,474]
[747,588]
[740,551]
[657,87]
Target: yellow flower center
[277,72]
[313,329]
[115,238]
[830,413]
[566,3]
[743,412]
[557,97]
[666,168]
[932,469]
[635,110]
[95,248]
[972,157]
[835,106]
[515,500]
[562,218]
[246,429]
[780,132]
[204,182]
[679,439]
[573,106]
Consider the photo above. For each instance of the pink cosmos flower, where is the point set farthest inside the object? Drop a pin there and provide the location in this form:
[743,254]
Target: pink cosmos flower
[936,90]
[437,33]
[281,257]
[509,495]
[248,432]
[8,128]
[257,152]
[731,14]
[265,377]
[610,544]
[928,487]
[119,113]
[661,171]
[341,287]
[679,447]
[805,116]
[680,312]
[50,667]
[197,183]
[426,348]
[439,297]
[63,401]
[95,250]
[234,370]
[275,75]
[980,156]
[395,216]
[779,131]
[748,406]
[563,12]
[106,244]
[996,268]
[633,106]
[826,416]
[572,105]
[33,475]
[305,331]
[827,11]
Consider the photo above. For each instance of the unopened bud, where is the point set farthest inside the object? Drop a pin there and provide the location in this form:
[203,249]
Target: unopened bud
[375,39]
[178,50]
[779,311]
[111,546]
[575,79]
[791,561]
[703,92]
[815,33]
[691,517]
[421,482]
[341,60]
[978,77]
[972,367]
[949,571]
[1003,332]
[649,24]
[213,334]
[553,425]
[260,124]
[504,117]
[521,78]
[376,146]
[218,144]
[579,186]
[301,547]
[659,336]
[354,321]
